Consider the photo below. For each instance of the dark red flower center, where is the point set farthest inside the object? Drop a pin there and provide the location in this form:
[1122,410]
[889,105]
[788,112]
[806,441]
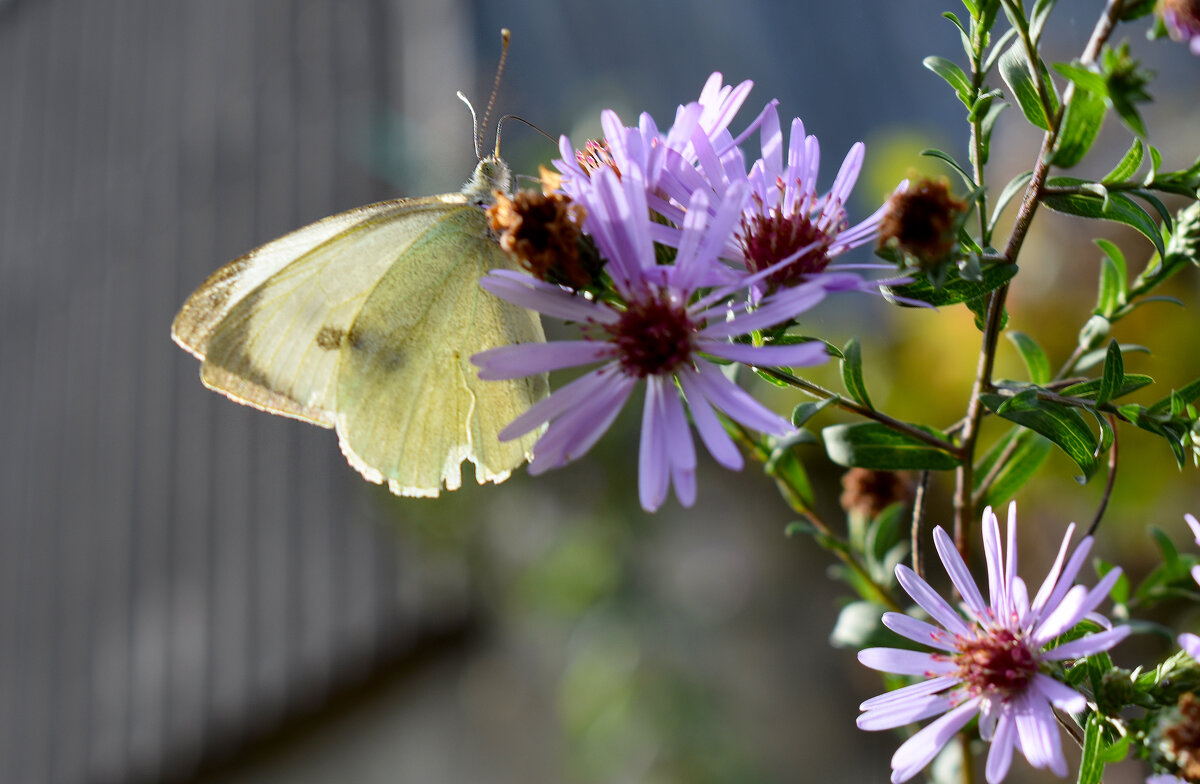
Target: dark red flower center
[653,337]
[997,661]
[770,237]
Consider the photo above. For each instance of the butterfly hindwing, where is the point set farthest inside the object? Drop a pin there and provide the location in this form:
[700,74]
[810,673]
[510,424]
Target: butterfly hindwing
[410,405]
[267,324]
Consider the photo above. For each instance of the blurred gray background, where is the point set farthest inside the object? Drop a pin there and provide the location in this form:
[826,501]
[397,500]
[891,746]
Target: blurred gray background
[192,591]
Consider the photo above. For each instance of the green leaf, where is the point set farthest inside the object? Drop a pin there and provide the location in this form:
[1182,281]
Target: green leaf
[1081,122]
[1035,359]
[1037,19]
[852,373]
[1093,358]
[873,445]
[1083,77]
[1030,452]
[806,411]
[1014,69]
[1060,423]
[1119,270]
[1128,165]
[963,173]
[1114,375]
[1015,185]
[1091,766]
[859,625]
[1090,389]
[953,75]
[1188,392]
[1136,10]
[1117,207]
[954,289]
[789,473]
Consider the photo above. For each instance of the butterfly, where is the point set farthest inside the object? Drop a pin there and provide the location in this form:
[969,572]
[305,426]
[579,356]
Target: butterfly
[365,322]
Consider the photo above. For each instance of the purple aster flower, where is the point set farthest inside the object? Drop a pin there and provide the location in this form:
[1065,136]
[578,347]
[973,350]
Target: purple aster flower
[994,662]
[1190,642]
[661,332]
[786,224]
[1182,18]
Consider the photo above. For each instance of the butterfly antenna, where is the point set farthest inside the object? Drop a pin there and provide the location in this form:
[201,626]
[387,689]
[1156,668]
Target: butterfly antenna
[518,118]
[504,37]
[474,125]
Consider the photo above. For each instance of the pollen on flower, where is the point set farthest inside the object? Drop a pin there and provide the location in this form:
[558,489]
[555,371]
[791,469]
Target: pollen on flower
[543,233]
[596,155]
[922,221]
[997,662]
[653,336]
[769,237]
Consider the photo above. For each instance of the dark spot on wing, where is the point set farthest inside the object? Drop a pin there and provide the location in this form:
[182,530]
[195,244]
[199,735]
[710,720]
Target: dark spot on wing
[386,359]
[330,338]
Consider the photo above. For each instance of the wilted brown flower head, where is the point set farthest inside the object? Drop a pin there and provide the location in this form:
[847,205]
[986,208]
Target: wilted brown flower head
[543,233]
[1181,738]
[922,221]
[869,492]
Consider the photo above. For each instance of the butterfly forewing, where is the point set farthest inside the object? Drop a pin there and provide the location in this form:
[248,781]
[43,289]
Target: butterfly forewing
[410,404]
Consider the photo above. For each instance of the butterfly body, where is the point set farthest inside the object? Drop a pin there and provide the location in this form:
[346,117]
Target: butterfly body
[365,322]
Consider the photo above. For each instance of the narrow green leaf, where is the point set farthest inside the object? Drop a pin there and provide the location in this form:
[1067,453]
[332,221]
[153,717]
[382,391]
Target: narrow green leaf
[999,47]
[966,176]
[1091,766]
[852,374]
[1014,69]
[806,411]
[791,476]
[1030,452]
[1015,185]
[1088,390]
[1114,375]
[1083,77]
[953,75]
[1188,392]
[873,445]
[1108,292]
[1128,165]
[1035,359]
[1117,207]
[1060,423]
[985,127]
[1093,358]
[954,289]
[1037,19]
[1081,122]
[1118,259]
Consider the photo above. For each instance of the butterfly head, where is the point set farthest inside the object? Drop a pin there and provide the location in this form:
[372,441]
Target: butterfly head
[491,174]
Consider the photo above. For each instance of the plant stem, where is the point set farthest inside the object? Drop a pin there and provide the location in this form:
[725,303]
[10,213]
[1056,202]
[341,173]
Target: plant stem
[964,477]
[821,393]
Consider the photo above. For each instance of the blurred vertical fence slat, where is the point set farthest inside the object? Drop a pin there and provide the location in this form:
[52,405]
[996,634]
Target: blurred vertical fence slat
[177,573]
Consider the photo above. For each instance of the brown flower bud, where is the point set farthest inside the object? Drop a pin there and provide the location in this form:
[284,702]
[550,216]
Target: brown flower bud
[869,492]
[922,222]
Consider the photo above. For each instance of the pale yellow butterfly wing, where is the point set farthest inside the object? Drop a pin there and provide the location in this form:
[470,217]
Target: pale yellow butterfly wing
[272,329]
[411,406]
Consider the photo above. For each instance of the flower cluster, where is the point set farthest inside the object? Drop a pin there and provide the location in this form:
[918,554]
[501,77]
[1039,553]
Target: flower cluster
[997,662]
[706,262]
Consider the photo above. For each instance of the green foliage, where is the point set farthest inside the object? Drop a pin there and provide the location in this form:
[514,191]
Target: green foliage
[873,445]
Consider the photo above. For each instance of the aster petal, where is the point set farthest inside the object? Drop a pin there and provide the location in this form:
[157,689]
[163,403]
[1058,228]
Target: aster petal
[781,307]
[999,759]
[931,686]
[919,750]
[904,662]
[1194,524]
[571,435]
[528,292]
[918,631]
[586,387]
[994,557]
[771,141]
[528,359]
[844,182]
[1196,574]
[904,712]
[1058,694]
[653,469]
[712,433]
[1070,571]
[1086,646]
[794,355]
[1038,735]
[1190,644]
[1010,566]
[681,450]
[1064,616]
[1051,580]
[959,574]
[929,600]
[735,402]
